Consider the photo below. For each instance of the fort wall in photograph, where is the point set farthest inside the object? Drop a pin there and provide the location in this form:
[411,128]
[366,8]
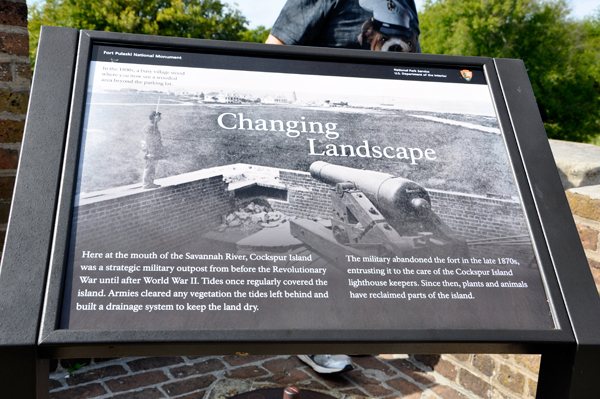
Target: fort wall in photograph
[178,213]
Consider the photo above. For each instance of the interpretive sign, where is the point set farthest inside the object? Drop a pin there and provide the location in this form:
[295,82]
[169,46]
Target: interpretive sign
[271,230]
[180,196]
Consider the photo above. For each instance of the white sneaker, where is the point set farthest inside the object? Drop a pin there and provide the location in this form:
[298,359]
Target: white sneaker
[327,363]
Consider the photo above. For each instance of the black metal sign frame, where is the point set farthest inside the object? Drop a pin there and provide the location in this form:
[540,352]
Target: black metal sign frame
[34,258]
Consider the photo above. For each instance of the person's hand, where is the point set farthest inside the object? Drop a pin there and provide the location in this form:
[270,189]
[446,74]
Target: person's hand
[273,40]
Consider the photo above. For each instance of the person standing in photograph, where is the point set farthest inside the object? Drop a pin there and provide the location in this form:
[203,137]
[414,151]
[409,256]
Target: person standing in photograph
[153,150]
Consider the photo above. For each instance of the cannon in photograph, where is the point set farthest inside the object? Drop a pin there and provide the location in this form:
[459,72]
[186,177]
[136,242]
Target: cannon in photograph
[375,213]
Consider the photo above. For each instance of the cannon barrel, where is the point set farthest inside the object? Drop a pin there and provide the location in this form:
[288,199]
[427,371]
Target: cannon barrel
[391,195]
[404,204]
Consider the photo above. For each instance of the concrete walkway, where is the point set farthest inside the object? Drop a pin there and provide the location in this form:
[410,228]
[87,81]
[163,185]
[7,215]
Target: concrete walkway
[220,377]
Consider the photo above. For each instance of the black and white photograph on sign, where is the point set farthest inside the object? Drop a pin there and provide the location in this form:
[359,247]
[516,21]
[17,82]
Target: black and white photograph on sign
[213,199]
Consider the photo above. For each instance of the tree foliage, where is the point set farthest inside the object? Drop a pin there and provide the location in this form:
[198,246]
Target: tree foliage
[258,35]
[561,54]
[205,19]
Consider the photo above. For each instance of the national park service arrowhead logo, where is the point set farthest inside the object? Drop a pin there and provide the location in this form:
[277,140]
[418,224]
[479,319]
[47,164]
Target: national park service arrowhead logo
[466,74]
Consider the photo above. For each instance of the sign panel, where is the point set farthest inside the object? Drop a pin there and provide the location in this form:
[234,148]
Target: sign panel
[232,192]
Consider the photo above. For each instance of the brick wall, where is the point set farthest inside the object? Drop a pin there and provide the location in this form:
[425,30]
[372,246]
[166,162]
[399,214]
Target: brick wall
[489,376]
[307,197]
[15,79]
[585,205]
[153,220]
[474,217]
[470,216]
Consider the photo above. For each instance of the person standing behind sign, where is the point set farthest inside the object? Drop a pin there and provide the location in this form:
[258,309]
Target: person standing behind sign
[153,150]
[354,24]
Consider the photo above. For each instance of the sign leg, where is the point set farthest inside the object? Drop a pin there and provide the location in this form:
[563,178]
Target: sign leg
[22,374]
[556,373]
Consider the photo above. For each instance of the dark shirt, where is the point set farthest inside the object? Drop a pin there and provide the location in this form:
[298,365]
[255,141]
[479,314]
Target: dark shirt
[153,142]
[323,23]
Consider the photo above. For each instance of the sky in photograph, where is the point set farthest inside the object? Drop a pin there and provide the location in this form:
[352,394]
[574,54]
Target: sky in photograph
[404,94]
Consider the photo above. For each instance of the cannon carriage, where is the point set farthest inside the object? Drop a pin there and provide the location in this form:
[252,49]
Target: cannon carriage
[376,213]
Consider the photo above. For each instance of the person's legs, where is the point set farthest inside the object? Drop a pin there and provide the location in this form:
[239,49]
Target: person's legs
[149,172]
